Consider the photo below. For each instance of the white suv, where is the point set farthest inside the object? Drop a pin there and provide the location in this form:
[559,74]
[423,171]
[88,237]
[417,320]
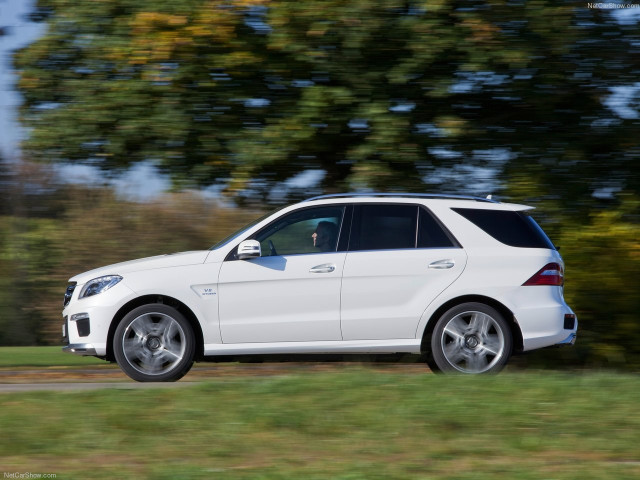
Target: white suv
[466,281]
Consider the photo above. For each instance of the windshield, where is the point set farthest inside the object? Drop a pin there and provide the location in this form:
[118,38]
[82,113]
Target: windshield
[240,232]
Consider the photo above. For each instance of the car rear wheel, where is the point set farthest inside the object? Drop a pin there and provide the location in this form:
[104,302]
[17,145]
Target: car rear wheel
[471,338]
[154,343]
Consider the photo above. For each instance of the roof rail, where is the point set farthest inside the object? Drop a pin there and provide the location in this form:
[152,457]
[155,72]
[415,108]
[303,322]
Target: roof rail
[488,199]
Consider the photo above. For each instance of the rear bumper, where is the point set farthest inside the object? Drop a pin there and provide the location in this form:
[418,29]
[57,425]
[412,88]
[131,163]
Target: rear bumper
[545,327]
[570,340]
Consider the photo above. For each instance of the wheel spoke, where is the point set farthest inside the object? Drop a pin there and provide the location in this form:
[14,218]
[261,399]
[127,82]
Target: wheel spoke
[486,323]
[170,332]
[154,363]
[171,355]
[163,325]
[174,343]
[480,323]
[477,361]
[134,349]
[456,328]
[454,352]
[139,327]
[493,344]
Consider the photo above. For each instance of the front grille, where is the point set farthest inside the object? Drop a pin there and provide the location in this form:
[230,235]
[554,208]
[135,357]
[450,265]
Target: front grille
[68,293]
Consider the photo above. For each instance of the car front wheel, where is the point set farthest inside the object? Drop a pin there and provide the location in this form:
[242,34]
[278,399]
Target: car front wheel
[471,338]
[154,343]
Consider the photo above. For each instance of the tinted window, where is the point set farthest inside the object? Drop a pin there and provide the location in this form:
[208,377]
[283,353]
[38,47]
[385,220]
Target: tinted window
[311,230]
[430,232]
[383,227]
[515,229]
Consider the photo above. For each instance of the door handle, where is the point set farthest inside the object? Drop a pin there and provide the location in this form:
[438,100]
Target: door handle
[324,268]
[442,264]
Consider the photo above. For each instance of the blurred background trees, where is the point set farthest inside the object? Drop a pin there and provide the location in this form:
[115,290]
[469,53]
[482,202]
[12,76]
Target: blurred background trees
[385,94]
[50,231]
[533,100]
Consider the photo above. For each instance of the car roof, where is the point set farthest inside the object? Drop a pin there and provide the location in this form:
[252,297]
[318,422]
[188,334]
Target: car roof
[467,201]
[403,195]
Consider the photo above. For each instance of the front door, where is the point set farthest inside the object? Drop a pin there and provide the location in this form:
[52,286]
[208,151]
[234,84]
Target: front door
[292,292]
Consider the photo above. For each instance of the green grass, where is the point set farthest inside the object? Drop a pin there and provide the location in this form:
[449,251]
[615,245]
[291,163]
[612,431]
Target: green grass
[43,357]
[350,425]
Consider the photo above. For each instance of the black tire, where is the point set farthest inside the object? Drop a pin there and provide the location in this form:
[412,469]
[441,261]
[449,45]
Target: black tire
[471,338]
[431,363]
[154,343]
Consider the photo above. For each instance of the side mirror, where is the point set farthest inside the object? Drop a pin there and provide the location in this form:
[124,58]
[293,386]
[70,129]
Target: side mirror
[249,249]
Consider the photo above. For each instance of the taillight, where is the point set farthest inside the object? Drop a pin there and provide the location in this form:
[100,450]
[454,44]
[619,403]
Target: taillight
[550,274]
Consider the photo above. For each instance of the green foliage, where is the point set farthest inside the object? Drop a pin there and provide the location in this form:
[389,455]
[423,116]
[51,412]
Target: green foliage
[375,94]
[603,275]
[27,257]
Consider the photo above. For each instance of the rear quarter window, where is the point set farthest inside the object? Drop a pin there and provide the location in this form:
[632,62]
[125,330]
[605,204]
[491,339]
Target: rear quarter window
[516,229]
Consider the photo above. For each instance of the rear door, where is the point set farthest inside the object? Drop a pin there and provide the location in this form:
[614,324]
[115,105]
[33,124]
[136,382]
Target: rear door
[400,258]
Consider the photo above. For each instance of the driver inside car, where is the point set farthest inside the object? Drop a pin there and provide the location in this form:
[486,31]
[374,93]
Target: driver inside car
[325,236]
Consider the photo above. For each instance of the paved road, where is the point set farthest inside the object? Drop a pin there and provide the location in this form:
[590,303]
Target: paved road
[64,387]
[110,376]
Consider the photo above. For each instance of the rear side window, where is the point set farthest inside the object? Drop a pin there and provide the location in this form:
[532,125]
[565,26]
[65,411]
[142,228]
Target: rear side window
[516,229]
[391,227]
[384,227]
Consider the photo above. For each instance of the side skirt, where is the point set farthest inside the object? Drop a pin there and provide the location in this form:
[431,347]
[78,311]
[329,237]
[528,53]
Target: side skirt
[350,346]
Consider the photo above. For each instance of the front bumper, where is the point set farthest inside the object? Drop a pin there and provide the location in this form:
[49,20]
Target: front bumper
[87,321]
[84,349]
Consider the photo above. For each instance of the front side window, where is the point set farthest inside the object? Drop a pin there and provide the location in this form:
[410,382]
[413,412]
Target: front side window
[310,230]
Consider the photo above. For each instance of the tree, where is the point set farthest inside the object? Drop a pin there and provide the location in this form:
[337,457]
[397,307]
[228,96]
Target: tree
[373,94]
[24,249]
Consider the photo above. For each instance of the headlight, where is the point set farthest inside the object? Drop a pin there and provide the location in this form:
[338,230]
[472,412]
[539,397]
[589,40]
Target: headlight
[99,285]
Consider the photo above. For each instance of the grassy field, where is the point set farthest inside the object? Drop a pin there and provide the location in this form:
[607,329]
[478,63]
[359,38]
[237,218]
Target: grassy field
[43,357]
[353,424]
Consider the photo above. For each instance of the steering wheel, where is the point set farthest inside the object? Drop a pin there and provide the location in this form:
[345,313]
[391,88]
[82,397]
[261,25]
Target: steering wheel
[272,249]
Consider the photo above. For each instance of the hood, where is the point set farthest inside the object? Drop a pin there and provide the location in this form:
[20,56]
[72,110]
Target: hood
[149,263]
